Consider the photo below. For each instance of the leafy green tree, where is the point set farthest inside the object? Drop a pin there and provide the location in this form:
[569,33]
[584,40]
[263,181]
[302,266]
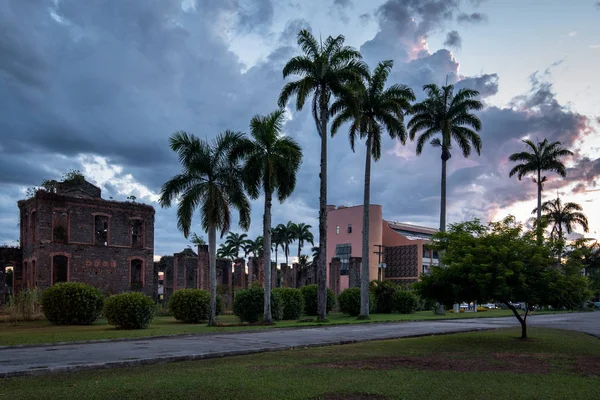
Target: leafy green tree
[197,240]
[211,182]
[302,234]
[500,262]
[236,241]
[451,117]
[271,162]
[371,109]
[324,70]
[538,158]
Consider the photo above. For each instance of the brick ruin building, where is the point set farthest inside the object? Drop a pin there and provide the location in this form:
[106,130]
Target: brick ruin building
[72,234]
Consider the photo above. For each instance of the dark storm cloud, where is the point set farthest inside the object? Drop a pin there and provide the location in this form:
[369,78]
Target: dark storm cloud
[453,40]
[473,18]
[486,84]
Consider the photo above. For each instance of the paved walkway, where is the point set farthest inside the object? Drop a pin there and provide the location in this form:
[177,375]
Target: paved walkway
[75,357]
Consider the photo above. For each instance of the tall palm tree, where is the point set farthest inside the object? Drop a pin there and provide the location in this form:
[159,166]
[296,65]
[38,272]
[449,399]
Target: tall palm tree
[450,116]
[271,162]
[212,182]
[371,109]
[563,216]
[540,157]
[324,70]
[302,234]
[236,241]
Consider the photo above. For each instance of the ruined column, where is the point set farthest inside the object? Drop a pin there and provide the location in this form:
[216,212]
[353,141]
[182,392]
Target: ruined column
[239,274]
[203,266]
[273,275]
[260,267]
[354,272]
[334,275]
[250,271]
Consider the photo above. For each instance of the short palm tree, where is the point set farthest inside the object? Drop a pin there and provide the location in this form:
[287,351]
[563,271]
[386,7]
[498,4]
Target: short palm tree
[226,251]
[538,158]
[236,241]
[271,162]
[324,70]
[276,240]
[286,237]
[451,117]
[302,234]
[210,181]
[371,109]
[563,216]
[254,247]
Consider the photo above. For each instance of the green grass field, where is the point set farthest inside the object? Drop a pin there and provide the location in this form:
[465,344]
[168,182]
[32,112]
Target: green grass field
[35,332]
[490,365]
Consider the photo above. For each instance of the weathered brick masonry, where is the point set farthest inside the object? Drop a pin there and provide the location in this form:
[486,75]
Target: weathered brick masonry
[75,235]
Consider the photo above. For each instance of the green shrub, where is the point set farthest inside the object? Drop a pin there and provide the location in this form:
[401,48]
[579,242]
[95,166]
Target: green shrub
[349,301]
[131,310]
[72,303]
[249,305]
[190,305]
[384,295]
[405,302]
[310,299]
[292,302]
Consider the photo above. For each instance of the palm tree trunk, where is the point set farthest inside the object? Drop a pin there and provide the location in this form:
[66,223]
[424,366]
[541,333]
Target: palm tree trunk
[212,270]
[364,278]
[322,275]
[267,317]
[296,273]
[539,207]
[443,195]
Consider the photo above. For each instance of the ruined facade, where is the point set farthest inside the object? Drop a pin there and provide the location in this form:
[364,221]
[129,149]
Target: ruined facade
[10,260]
[73,235]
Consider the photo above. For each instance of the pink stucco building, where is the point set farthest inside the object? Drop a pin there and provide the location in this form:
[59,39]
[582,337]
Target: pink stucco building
[400,246]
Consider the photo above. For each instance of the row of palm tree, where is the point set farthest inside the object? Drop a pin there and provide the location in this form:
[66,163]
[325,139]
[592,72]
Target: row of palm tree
[344,89]
[220,176]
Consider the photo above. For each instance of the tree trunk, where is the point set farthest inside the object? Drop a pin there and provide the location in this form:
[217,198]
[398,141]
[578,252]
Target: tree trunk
[322,276]
[267,317]
[522,320]
[539,207]
[364,279]
[443,194]
[212,271]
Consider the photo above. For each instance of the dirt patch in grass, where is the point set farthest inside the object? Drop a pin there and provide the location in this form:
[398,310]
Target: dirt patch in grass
[453,362]
[351,396]
[587,366]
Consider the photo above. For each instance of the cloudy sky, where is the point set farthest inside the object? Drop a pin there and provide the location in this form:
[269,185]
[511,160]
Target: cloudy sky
[100,86]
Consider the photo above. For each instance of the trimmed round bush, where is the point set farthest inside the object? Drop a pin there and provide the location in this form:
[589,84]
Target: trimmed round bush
[190,305]
[311,300]
[405,302]
[249,305]
[72,303]
[292,302]
[349,301]
[130,310]
[384,295]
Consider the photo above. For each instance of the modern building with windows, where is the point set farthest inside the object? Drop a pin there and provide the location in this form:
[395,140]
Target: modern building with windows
[400,247]
[72,234]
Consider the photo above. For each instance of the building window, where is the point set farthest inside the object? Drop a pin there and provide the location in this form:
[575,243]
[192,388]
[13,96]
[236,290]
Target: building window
[343,252]
[25,225]
[60,223]
[436,255]
[425,269]
[60,266]
[101,230]
[26,273]
[137,230]
[349,228]
[136,274]
[32,275]
[337,229]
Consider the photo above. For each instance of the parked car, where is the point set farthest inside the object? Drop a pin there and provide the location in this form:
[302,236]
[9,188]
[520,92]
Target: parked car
[490,306]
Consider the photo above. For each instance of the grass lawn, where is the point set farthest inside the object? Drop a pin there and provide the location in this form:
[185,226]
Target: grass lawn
[35,332]
[484,365]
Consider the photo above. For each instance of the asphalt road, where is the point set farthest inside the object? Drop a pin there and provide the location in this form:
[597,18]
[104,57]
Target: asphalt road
[74,357]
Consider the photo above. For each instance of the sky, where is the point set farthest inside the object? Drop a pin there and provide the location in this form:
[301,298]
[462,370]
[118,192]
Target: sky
[100,86]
